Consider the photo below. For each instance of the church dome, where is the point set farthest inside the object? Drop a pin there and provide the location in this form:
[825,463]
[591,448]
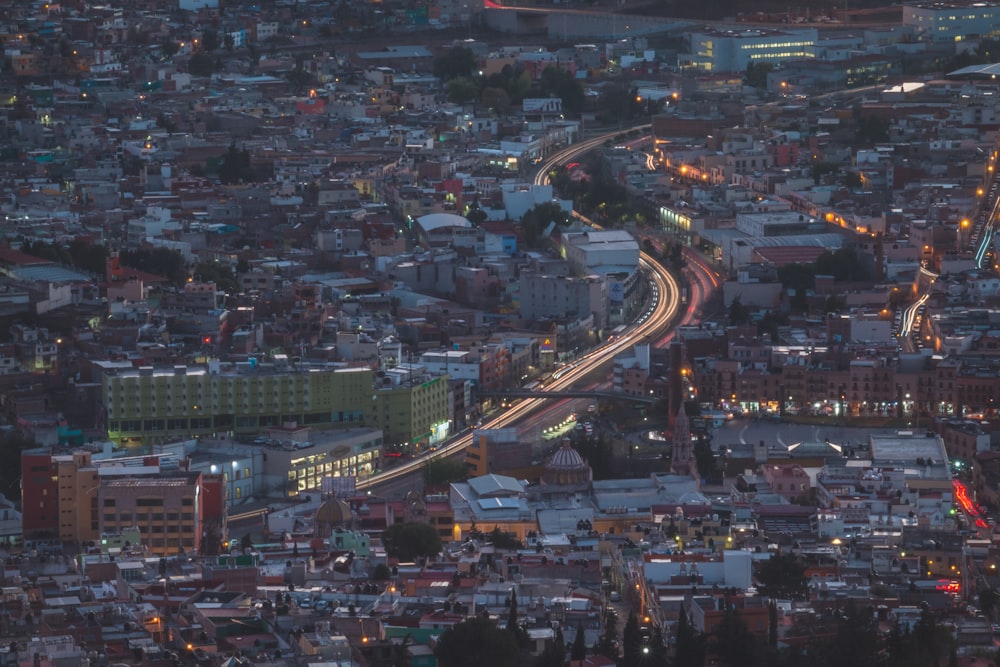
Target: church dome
[566,467]
[332,513]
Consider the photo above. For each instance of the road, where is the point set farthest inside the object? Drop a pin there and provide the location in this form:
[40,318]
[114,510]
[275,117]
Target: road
[652,325]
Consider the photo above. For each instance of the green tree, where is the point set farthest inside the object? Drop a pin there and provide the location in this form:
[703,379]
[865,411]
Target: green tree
[782,576]
[209,40]
[871,130]
[554,653]
[512,624]
[756,76]
[462,89]
[988,600]
[246,543]
[704,459]
[579,649]
[689,650]
[201,64]
[557,82]
[459,61]
[162,261]
[169,48]
[381,572]
[738,313]
[503,540]
[607,643]
[657,647]
[442,472]
[537,219]
[495,99]
[235,166]
[88,257]
[631,643]
[772,623]
[217,272]
[844,264]
[734,644]
[12,444]
[477,642]
[857,638]
[409,540]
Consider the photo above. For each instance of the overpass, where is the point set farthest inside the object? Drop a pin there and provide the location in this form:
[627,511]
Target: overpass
[571,393]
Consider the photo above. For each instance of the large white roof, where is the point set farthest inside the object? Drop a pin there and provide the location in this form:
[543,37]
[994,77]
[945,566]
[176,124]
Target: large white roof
[433,221]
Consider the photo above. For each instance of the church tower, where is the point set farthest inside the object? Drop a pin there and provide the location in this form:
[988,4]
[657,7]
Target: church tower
[681,458]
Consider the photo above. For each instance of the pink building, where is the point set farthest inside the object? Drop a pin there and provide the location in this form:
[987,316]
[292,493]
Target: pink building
[788,480]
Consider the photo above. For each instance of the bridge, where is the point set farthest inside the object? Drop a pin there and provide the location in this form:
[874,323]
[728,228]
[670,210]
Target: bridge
[571,393]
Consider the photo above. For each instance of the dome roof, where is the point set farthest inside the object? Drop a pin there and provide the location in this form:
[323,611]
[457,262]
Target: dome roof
[566,457]
[333,512]
[566,467]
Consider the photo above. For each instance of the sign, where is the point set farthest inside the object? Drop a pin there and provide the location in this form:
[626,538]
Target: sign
[341,487]
[542,105]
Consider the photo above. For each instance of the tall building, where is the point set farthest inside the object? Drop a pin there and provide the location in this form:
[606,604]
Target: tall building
[948,22]
[410,407]
[497,450]
[75,498]
[154,404]
[720,50]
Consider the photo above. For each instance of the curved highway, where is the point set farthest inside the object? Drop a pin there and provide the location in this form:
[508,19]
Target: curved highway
[652,325]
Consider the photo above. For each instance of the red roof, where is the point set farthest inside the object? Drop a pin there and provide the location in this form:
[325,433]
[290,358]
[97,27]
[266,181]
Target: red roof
[11,257]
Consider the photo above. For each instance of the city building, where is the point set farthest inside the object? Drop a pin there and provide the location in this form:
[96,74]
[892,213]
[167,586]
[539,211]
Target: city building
[721,50]
[157,404]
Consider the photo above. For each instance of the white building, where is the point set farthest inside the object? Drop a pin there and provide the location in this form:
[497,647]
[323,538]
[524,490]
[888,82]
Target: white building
[732,50]
[948,22]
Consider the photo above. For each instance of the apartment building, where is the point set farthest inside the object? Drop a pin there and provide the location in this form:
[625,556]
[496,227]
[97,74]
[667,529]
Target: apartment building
[154,404]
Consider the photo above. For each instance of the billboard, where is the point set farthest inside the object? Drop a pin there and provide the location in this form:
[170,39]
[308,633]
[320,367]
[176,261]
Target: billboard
[542,105]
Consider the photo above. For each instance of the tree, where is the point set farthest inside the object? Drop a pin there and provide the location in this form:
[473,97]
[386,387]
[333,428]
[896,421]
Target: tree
[209,40]
[857,639]
[734,644]
[442,472]
[738,313]
[704,459]
[757,72]
[246,543]
[512,625]
[216,272]
[496,99]
[557,82]
[162,261]
[235,166]
[169,47]
[772,623]
[631,643]
[408,541]
[201,64]
[690,645]
[537,219]
[657,647]
[782,576]
[607,643]
[579,649]
[460,61]
[477,642]
[987,600]
[462,89]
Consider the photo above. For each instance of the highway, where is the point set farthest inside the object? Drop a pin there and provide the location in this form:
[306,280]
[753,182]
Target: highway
[652,325]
